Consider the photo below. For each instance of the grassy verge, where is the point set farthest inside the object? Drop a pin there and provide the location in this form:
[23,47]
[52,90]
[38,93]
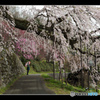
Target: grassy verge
[31,71]
[3,89]
[60,88]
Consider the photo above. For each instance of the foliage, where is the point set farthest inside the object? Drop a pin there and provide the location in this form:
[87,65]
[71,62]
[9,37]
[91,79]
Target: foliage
[60,88]
[23,60]
[39,66]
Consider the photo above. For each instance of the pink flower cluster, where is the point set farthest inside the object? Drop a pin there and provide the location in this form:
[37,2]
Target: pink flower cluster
[32,46]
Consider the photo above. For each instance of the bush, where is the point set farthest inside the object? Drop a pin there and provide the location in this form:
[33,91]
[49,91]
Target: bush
[49,66]
[36,66]
[23,60]
[39,66]
[43,66]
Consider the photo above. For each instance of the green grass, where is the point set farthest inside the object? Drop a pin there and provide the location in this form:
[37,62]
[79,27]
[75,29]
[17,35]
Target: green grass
[32,71]
[61,88]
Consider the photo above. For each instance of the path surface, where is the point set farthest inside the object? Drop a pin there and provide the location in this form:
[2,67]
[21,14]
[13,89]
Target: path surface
[57,75]
[29,84]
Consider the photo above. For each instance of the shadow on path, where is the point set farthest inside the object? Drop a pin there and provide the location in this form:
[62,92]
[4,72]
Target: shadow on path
[29,84]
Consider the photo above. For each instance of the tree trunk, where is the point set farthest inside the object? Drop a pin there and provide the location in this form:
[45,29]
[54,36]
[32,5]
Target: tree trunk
[88,79]
[53,70]
[59,74]
[65,75]
[82,84]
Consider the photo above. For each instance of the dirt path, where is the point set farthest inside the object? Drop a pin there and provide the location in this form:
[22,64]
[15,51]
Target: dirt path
[29,84]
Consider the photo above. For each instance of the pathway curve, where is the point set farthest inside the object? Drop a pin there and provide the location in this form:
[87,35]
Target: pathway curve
[29,84]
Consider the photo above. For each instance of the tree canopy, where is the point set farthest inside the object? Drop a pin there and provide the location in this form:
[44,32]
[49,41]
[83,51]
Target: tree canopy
[54,33]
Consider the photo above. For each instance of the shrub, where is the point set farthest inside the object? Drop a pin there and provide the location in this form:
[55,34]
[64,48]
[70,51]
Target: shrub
[36,66]
[43,66]
[23,60]
[39,66]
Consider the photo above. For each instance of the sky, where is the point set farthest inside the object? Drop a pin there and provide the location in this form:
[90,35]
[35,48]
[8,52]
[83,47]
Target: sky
[29,6]
[39,6]
[26,8]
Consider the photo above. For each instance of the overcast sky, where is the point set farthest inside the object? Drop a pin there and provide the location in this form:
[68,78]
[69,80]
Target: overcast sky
[29,6]
[39,6]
